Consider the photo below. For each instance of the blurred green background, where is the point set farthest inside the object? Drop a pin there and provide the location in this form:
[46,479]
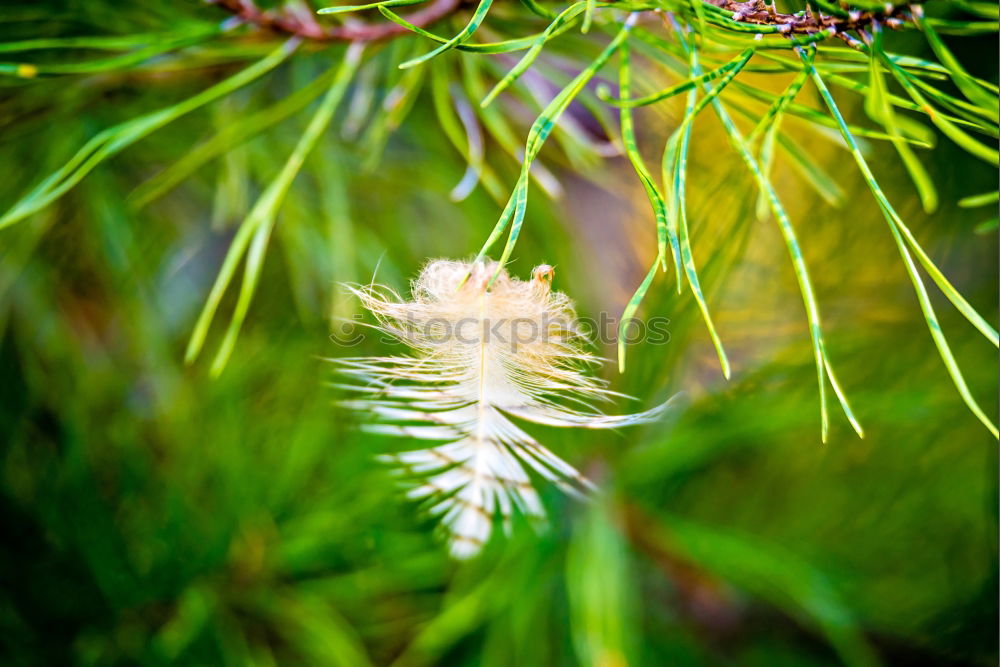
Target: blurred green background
[154,514]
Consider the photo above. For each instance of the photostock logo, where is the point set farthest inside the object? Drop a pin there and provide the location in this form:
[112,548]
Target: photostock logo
[513,333]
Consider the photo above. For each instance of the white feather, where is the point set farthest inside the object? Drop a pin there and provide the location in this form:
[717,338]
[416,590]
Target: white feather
[475,364]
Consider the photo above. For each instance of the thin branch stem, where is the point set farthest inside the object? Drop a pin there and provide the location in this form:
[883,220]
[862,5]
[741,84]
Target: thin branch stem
[835,21]
[303,24]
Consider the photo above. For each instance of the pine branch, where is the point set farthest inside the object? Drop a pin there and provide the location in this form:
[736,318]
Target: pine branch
[298,21]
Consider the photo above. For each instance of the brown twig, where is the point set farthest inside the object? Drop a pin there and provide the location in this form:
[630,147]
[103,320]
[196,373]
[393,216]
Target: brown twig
[297,19]
[300,21]
[812,20]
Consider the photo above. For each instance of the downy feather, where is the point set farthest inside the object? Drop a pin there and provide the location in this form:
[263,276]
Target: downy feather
[486,347]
